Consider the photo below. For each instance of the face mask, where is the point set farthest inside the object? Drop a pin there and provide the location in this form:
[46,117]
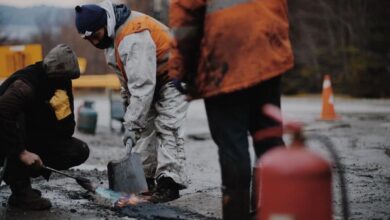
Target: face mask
[106,42]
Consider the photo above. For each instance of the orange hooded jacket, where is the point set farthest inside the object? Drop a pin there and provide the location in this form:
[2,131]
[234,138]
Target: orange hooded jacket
[223,46]
[159,33]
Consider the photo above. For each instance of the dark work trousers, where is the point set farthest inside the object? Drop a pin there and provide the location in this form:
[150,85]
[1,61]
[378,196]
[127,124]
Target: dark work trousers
[231,117]
[59,154]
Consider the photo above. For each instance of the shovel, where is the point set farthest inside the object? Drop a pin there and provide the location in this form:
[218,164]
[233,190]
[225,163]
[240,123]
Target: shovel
[127,174]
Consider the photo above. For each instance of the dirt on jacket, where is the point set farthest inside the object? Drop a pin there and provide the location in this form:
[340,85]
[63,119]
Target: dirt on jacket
[223,46]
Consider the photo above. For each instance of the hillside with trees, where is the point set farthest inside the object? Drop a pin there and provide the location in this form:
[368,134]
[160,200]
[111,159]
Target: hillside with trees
[348,39]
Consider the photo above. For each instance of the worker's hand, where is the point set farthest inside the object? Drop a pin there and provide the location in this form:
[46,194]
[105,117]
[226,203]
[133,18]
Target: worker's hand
[30,159]
[179,85]
[129,135]
[130,138]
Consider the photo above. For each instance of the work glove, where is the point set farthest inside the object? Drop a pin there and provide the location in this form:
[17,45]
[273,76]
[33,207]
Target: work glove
[130,138]
[125,95]
[60,104]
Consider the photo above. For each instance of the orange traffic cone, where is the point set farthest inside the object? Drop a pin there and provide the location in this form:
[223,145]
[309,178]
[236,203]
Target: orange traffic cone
[328,113]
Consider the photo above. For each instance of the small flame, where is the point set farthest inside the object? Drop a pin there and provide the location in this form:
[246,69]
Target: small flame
[130,200]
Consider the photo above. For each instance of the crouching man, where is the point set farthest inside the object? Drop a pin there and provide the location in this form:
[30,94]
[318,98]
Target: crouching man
[37,124]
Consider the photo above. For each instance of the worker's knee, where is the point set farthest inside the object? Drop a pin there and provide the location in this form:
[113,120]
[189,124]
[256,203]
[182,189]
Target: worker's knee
[78,152]
[169,134]
[83,153]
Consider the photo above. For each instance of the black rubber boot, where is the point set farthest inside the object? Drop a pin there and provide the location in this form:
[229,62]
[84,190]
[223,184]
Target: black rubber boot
[235,204]
[167,190]
[24,197]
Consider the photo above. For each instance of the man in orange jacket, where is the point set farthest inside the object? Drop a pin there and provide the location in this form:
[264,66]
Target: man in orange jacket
[233,53]
[137,48]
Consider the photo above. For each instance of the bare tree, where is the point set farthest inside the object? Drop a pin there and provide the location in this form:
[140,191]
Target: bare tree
[46,35]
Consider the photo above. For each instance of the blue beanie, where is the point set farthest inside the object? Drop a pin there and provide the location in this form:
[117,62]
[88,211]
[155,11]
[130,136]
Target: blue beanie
[89,18]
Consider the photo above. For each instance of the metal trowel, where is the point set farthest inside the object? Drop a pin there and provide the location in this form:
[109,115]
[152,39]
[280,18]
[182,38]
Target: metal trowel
[127,174]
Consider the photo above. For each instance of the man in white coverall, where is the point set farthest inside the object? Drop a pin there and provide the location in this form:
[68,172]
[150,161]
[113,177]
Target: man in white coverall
[137,47]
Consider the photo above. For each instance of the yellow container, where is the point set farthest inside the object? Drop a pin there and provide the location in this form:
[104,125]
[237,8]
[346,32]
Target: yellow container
[82,64]
[13,58]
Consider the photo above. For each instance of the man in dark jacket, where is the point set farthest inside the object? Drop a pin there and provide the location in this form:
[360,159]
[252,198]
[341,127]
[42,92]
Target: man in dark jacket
[37,124]
[233,54]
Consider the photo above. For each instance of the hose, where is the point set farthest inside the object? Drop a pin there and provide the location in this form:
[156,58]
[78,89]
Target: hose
[343,186]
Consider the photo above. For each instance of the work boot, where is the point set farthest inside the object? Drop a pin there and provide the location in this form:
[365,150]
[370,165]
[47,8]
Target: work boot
[167,190]
[235,204]
[24,197]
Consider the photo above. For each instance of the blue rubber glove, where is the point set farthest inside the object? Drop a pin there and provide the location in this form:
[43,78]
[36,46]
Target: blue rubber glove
[179,85]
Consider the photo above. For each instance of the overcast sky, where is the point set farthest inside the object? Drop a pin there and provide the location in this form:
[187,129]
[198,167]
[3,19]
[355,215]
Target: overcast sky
[59,3]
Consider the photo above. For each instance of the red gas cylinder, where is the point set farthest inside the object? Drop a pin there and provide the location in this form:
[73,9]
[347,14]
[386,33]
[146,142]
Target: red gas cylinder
[295,184]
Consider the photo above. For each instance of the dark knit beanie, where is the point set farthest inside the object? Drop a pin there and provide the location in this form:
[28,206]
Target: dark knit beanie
[89,18]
